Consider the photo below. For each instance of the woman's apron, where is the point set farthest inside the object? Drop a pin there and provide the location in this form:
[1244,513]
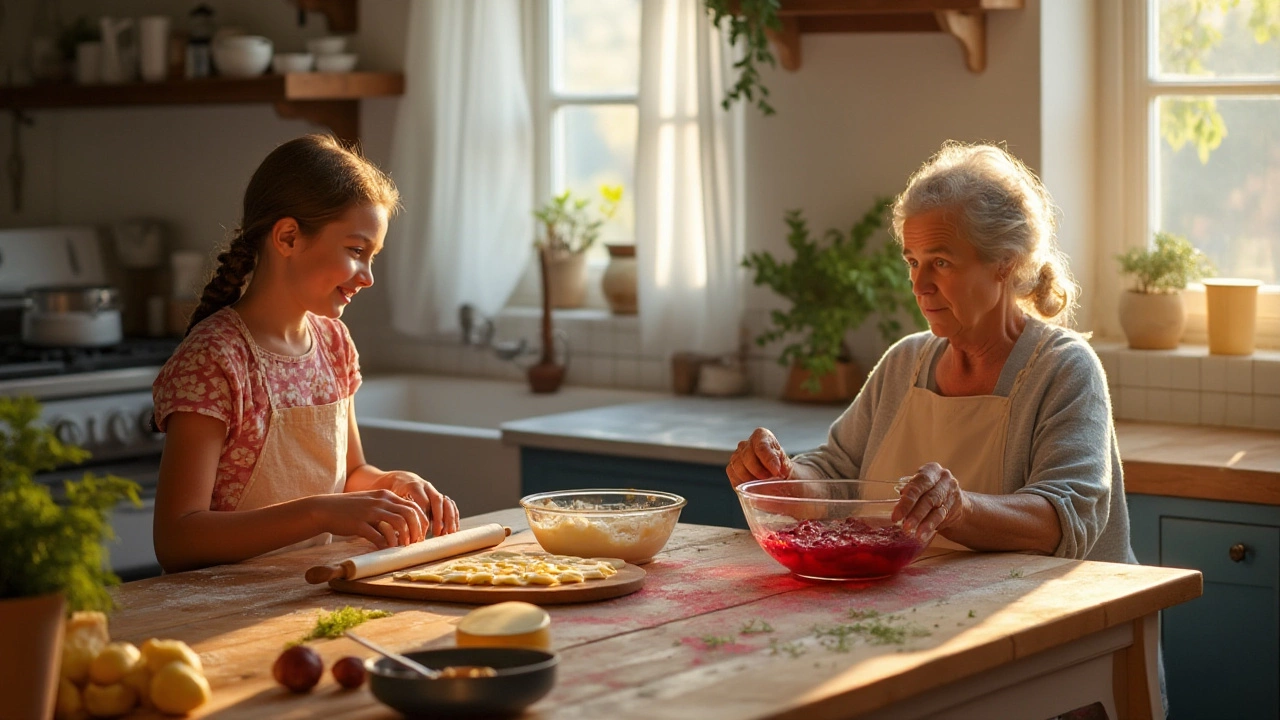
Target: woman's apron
[965,435]
[304,453]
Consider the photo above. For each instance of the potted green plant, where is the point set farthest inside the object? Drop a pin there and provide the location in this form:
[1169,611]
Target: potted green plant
[834,285]
[570,226]
[1151,312]
[51,554]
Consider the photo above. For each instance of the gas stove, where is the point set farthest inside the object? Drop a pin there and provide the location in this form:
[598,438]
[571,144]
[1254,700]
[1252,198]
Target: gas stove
[29,361]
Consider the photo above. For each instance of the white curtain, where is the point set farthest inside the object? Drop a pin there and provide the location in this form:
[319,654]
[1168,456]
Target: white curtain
[689,186]
[462,156]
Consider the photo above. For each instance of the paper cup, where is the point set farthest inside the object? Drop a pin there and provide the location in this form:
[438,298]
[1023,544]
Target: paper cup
[1232,315]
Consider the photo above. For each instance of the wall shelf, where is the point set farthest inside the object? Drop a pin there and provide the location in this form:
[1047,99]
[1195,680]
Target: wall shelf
[343,16]
[965,20]
[329,99]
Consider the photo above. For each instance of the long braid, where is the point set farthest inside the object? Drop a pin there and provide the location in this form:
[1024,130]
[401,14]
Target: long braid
[234,265]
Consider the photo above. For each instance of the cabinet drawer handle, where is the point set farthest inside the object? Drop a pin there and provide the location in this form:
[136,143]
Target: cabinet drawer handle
[1238,552]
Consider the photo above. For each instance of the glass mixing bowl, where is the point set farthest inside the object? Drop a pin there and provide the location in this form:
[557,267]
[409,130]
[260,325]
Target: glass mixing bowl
[829,529]
[629,524]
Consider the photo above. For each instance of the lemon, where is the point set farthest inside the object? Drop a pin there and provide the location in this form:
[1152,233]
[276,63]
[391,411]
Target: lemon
[114,662]
[70,706]
[177,688]
[104,701]
[159,653]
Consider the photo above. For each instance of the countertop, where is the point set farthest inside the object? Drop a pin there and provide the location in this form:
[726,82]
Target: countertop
[990,627]
[1211,463]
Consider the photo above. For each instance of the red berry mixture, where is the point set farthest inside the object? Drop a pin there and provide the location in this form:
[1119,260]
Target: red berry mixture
[848,549]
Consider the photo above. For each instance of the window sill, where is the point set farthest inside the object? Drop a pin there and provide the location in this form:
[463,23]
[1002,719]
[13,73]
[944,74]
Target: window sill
[1191,387]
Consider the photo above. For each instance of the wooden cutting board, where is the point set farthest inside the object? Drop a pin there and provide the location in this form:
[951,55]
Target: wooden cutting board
[628,580]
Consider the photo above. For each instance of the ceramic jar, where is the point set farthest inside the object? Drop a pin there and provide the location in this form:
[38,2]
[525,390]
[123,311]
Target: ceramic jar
[1232,305]
[566,279]
[1152,321]
[619,281]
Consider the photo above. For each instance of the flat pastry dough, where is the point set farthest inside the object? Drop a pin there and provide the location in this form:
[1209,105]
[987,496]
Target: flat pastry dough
[504,567]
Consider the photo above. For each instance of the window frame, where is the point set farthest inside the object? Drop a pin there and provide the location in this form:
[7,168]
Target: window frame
[1133,128]
[549,157]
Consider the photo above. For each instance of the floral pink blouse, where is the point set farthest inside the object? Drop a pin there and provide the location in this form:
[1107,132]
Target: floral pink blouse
[214,373]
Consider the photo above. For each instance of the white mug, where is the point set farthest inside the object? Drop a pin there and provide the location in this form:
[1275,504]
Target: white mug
[154,39]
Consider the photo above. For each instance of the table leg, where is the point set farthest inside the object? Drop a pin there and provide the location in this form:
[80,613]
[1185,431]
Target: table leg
[1136,670]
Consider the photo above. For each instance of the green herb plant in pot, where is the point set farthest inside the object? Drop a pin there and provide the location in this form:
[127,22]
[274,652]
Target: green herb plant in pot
[51,554]
[835,283]
[570,226]
[1151,312]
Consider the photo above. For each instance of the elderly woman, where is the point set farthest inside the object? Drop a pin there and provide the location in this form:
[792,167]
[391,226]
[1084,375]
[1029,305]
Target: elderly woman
[998,414]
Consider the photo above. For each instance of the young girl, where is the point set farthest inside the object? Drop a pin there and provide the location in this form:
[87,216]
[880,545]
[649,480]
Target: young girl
[262,450]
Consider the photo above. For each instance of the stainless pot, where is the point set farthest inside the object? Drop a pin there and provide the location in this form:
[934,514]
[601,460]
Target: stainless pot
[72,316]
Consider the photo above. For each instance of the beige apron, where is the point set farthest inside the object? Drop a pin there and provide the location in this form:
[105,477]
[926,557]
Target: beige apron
[304,453]
[965,435]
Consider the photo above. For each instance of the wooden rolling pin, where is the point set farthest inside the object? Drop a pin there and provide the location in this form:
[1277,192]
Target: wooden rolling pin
[398,558]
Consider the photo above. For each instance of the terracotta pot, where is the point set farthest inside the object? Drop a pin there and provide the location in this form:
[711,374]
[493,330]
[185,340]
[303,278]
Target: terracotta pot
[30,642]
[1152,321]
[838,387]
[619,281]
[567,279]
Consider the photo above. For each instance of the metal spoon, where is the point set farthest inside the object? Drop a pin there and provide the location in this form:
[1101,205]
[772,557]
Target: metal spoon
[422,670]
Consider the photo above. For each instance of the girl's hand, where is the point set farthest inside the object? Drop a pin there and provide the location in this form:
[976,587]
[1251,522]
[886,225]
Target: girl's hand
[439,508]
[380,516]
[930,502]
[759,457]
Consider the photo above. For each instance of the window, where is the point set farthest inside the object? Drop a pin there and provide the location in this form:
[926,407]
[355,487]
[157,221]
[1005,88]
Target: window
[585,90]
[1212,127]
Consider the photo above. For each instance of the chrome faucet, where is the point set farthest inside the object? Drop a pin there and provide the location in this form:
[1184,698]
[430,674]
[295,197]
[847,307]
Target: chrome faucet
[479,331]
[476,330]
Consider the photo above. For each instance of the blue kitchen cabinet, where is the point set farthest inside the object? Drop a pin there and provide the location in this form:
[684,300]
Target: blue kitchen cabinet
[706,487]
[1221,650]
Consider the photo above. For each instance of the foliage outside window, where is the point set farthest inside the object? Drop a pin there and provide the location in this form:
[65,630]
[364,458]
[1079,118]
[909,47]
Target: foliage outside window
[1213,90]
[748,22]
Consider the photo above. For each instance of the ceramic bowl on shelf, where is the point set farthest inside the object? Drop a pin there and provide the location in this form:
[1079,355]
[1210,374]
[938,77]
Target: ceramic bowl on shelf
[336,62]
[629,524]
[330,45]
[242,56]
[283,63]
[829,529]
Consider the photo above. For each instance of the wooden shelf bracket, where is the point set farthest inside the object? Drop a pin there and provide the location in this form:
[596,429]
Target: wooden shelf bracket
[343,15]
[340,116]
[786,43]
[970,29]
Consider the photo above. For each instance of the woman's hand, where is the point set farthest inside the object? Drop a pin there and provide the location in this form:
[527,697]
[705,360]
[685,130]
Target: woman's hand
[930,502]
[759,457]
[440,508]
[380,516]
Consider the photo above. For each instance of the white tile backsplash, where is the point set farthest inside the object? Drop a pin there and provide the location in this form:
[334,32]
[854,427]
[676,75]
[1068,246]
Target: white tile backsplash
[1213,374]
[1159,371]
[1266,378]
[1184,372]
[1213,408]
[1133,370]
[1239,410]
[1266,412]
[1133,403]
[1184,407]
[1159,404]
[1239,374]
[1110,364]
[626,372]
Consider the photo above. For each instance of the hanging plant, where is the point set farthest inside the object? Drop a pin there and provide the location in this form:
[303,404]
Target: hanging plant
[748,21]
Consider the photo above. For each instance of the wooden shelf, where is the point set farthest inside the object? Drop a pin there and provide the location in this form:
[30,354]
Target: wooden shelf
[330,99]
[343,16]
[965,20]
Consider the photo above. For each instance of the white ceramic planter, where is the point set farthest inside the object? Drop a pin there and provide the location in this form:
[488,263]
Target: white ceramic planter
[1152,321]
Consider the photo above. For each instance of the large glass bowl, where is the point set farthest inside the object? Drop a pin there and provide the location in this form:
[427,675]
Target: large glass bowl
[829,529]
[629,524]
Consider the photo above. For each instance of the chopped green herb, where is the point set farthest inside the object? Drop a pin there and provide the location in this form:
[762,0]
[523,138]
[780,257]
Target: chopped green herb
[1015,573]
[856,614]
[971,614]
[715,641]
[755,627]
[886,631]
[332,625]
[795,650]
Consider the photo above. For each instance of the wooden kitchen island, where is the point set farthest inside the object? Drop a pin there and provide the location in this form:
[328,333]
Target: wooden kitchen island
[719,631]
